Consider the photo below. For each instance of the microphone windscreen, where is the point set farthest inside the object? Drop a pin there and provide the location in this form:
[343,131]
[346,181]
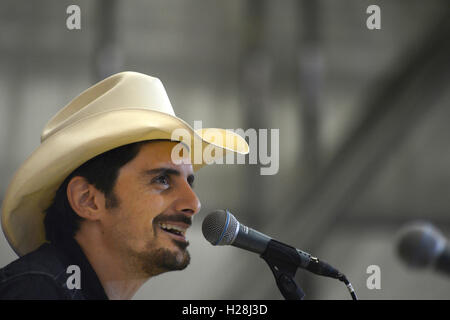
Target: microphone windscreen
[220,227]
[420,244]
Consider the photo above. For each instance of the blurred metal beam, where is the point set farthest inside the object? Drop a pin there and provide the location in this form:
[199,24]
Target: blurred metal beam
[17,68]
[107,56]
[393,222]
[255,75]
[310,69]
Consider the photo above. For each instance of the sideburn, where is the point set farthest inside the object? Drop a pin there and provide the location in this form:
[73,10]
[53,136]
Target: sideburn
[111,200]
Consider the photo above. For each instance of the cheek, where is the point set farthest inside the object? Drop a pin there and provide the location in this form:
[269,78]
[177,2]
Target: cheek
[139,205]
[141,211]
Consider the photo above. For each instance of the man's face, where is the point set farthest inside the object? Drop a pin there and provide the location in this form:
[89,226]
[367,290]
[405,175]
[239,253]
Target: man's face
[156,204]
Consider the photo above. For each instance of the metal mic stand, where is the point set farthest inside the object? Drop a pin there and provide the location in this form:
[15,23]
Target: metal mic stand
[281,260]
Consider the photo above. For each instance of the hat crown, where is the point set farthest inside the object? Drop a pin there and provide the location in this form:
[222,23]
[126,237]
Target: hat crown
[120,91]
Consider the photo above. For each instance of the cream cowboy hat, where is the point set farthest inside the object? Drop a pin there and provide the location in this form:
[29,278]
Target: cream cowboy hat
[124,108]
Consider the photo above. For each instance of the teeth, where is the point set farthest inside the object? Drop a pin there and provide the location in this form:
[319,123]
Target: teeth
[172,227]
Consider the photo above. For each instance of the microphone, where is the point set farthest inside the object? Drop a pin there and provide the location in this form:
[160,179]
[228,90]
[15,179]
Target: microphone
[421,245]
[220,228]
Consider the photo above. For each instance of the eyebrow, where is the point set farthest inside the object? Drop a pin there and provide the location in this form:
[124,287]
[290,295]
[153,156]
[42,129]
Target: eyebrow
[161,170]
[168,171]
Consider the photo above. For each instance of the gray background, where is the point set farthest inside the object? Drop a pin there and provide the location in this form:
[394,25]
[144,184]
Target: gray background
[363,118]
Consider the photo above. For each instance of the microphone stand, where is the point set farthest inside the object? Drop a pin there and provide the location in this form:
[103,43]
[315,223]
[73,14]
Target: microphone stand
[281,261]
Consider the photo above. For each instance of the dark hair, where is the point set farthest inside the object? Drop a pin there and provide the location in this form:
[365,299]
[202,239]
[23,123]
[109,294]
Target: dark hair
[61,221]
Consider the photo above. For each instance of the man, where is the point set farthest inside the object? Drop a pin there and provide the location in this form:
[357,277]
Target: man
[101,205]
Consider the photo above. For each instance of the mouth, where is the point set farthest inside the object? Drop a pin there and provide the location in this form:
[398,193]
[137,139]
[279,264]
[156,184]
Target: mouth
[176,231]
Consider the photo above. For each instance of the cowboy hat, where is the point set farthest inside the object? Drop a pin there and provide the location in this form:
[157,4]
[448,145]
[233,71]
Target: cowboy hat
[125,108]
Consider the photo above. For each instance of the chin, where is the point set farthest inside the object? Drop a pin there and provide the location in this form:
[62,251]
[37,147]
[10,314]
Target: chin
[182,260]
[164,259]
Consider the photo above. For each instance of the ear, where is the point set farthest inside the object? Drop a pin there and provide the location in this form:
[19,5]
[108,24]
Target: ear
[85,199]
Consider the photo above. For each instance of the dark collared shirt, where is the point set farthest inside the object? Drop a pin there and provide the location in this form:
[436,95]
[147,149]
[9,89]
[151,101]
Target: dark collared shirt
[46,274]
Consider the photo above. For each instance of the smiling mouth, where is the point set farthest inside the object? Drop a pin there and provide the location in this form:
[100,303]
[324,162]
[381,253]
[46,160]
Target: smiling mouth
[177,232]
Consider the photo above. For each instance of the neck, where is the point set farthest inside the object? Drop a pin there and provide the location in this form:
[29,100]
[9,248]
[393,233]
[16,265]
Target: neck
[119,279]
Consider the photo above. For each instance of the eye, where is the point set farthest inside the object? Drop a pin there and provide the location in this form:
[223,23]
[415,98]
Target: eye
[190,180]
[163,179]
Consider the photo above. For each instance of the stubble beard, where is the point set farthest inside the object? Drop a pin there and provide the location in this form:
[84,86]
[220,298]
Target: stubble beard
[159,260]
[156,260]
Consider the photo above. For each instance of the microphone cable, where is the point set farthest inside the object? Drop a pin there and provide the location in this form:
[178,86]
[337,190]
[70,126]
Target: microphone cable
[349,286]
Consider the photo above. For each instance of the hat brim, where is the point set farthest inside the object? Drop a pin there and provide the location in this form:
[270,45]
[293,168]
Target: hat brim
[34,185]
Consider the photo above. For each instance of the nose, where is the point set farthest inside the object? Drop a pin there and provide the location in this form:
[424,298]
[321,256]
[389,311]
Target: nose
[187,201]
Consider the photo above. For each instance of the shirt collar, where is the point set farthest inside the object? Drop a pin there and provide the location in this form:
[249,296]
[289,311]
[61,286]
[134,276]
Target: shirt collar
[91,286]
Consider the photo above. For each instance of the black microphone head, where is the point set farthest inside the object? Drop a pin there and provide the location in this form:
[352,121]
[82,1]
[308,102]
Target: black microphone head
[420,244]
[220,227]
